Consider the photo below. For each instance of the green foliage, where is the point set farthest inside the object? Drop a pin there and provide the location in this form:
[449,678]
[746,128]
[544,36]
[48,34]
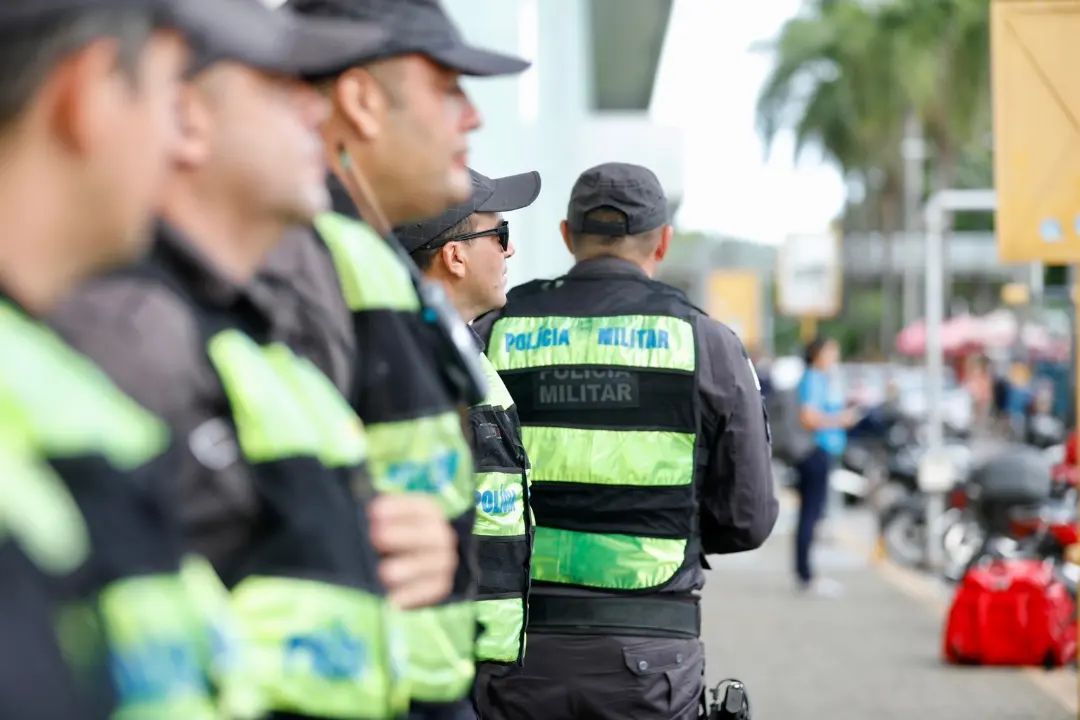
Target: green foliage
[848,73]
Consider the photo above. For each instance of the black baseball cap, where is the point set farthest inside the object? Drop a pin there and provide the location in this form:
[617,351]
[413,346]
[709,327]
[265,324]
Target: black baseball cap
[633,190]
[279,41]
[499,195]
[243,30]
[414,26]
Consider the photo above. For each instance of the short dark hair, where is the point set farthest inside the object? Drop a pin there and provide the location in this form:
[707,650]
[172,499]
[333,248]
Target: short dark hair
[814,348]
[28,57]
[640,243]
[425,256]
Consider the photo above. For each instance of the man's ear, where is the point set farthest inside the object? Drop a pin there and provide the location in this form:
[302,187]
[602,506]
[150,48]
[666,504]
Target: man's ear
[662,247]
[453,257]
[568,240]
[194,119]
[80,95]
[361,101]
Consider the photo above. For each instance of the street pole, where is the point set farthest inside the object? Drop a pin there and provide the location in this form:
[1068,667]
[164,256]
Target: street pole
[935,313]
[935,372]
[913,150]
[935,473]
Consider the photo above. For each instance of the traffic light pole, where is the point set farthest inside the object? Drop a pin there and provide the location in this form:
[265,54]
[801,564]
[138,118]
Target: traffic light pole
[936,474]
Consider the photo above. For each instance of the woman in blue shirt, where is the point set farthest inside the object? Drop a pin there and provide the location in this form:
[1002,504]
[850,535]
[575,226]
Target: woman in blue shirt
[822,412]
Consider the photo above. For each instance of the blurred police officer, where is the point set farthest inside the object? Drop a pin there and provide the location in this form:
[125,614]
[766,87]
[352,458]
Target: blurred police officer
[644,424]
[465,249]
[397,135]
[87,94]
[273,451]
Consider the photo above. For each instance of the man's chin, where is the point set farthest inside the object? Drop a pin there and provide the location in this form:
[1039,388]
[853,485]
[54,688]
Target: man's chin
[459,187]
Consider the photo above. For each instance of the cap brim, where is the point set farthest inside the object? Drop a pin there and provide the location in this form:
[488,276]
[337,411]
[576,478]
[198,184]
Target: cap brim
[512,193]
[474,61]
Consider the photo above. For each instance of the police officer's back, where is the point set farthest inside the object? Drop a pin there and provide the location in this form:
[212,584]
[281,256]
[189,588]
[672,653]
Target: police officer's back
[643,420]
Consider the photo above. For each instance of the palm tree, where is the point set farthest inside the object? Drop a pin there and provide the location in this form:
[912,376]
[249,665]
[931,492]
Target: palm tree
[835,82]
[945,47]
[847,74]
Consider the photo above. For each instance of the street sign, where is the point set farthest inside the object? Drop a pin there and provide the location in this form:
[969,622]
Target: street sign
[734,298]
[809,276]
[1036,87]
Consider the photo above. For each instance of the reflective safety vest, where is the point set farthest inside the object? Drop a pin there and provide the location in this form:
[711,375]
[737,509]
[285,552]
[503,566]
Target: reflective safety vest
[316,633]
[503,525]
[417,444]
[322,639]
[603,373]
[89,499]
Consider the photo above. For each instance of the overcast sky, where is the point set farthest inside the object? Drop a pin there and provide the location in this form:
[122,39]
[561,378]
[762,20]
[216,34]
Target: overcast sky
[708,84]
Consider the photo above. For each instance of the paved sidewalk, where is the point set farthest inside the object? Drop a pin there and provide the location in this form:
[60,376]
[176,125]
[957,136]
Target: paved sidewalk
[873,654]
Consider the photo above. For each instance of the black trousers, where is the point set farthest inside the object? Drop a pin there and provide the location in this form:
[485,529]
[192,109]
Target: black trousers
[813,475]
[597,677]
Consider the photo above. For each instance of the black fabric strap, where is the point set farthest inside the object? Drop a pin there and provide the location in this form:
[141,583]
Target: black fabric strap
[646,616]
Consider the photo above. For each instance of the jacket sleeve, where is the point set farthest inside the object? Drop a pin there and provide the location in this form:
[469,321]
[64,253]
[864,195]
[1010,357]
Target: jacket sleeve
[147,342]
[738,501]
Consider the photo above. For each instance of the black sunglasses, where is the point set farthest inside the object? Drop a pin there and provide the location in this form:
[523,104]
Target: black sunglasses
[502,230]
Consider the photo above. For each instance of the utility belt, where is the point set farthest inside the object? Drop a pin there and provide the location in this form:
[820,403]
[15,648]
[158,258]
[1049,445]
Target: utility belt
[676,616]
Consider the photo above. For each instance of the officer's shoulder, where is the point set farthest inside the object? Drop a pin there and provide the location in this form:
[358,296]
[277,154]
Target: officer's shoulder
[132,310]
[716,335]
[533,287]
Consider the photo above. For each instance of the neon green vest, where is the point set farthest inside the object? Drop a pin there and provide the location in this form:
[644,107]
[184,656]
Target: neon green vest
[64,412]
[503,524]
[608,405]
[415,436]
[324,648]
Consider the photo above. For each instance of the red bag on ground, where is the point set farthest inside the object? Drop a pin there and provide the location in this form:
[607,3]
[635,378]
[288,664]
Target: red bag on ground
[1011,612]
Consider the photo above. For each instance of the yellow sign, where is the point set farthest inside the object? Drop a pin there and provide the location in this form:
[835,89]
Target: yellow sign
[734,298]
[1036,83]
[1015,294]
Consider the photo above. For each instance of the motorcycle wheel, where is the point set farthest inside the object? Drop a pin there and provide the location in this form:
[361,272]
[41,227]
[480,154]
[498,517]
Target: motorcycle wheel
[903,531]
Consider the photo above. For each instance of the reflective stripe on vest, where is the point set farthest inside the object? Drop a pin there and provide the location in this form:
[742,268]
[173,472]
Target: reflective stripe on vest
[266,386]
[231,671]
[158,671]
[611,433]
[615,457]
[316,648]
[441,641]
[158,653]
[78,411]
[500,505]
[502,633]
[659,343]
[424,455]
[423,451]
[615,562]
[503,524]
[497,395]
[372,277]
[320,649]
[37,510]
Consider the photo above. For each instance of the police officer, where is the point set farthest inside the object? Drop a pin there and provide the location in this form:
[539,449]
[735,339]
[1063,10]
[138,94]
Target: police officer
[644,424]
[273,451]
[398,135]
[465,249]
[88,556]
